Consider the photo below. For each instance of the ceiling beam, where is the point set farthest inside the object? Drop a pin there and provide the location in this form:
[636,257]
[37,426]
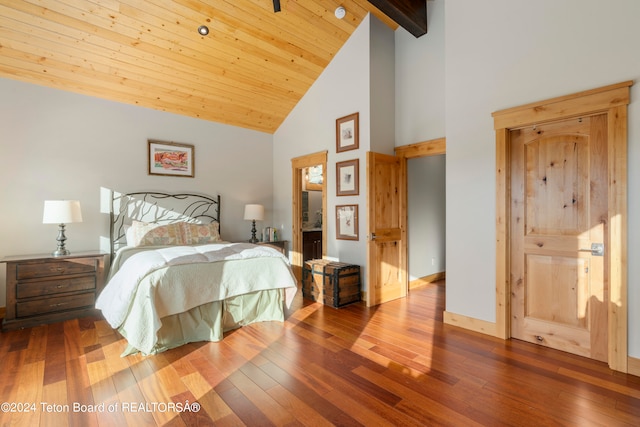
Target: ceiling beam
[410,14]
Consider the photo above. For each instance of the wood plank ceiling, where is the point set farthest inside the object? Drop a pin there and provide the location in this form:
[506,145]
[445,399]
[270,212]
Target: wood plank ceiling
[249,71]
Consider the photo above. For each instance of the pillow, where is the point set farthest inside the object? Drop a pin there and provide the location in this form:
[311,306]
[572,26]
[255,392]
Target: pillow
[200,234]
[129,236]
[145,234]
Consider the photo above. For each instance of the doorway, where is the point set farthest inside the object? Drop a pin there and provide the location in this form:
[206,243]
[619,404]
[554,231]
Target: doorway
[300,169]
[426,224]
[611,103]
[430,154]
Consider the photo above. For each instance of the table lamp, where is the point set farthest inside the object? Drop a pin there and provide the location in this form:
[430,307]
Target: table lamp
[253,213]
[61,212]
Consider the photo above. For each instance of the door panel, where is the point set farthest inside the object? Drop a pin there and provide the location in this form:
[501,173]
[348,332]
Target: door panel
[386,246]
[549,302]
[559,208]
[551,185]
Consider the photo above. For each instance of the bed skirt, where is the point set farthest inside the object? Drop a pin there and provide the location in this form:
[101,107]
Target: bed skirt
[209,322]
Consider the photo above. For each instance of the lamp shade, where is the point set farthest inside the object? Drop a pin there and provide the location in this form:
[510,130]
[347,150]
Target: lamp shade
[254,212]
[61,212]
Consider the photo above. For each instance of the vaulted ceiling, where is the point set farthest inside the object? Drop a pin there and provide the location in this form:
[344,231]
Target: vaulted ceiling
[249,71]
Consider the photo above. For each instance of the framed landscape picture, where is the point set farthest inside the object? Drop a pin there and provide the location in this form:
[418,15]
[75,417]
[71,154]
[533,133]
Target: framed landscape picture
[171,158]
[347,133]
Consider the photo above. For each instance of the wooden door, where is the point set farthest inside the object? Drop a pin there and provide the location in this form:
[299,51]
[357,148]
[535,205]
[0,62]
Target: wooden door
[386,246]
[558,211]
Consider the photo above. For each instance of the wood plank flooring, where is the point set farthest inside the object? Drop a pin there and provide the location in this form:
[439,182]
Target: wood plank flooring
[393,365]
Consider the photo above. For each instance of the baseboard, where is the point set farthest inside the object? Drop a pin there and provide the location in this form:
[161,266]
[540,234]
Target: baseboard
[427,279]
[633,366]
[476,325]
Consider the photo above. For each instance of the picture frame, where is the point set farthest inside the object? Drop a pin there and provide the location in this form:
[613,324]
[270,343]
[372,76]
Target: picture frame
[347,178]
[170,159]
[347,222]
[347,133]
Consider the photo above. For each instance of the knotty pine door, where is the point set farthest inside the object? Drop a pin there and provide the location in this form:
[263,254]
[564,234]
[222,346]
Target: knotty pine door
[386,229]
[558,210]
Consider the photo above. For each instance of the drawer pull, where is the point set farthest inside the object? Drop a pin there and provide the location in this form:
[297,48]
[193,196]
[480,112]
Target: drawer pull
[60,304]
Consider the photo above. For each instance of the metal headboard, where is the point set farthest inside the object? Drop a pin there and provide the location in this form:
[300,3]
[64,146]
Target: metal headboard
[158,208]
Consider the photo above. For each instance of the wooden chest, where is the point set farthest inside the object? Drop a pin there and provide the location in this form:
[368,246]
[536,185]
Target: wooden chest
[331,283]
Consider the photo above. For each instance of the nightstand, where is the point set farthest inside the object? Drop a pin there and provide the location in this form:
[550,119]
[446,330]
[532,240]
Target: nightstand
[46,289]
[280,245]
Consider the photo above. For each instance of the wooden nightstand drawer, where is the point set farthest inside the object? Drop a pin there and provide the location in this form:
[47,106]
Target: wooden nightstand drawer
[49,305]
[56,268]
[52,287]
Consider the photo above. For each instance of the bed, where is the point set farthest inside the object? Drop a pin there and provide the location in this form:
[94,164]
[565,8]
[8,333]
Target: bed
[173,280]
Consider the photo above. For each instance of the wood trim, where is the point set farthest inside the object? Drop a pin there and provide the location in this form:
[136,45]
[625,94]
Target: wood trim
[634,366]
[3,311]
[309,160]
[422,281]
[298,164]
[611,100]
[469,323]
[587,102]
[431,147]
[503,213]
[618,316]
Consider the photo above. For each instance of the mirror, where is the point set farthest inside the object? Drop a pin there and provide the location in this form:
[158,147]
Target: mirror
[313,178]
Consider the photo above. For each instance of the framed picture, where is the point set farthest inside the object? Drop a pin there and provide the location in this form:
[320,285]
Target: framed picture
[171,158]
[347,182]
[347,222]
[347,133]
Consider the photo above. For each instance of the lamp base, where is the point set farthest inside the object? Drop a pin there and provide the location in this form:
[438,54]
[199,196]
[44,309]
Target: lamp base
[254,239]
[61,251]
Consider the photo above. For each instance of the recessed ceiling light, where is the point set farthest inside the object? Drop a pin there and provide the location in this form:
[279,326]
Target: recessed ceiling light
[340,12]
[203,30]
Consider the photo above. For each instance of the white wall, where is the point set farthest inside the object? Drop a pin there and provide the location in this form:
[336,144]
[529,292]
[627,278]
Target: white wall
[420,100]
[500,54]
[344,87]
[381,87]
[420,78]
[427,216]
[60,145]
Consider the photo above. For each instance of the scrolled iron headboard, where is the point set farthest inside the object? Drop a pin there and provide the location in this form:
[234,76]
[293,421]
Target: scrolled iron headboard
[159,208]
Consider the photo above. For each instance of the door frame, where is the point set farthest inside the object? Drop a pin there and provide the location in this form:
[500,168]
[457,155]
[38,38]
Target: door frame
[611,100]
[432,147]
[298,164]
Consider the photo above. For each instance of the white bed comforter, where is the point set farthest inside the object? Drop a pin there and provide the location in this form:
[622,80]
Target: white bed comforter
[128,293]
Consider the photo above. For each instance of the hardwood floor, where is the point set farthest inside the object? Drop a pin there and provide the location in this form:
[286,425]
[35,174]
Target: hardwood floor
[396,365]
